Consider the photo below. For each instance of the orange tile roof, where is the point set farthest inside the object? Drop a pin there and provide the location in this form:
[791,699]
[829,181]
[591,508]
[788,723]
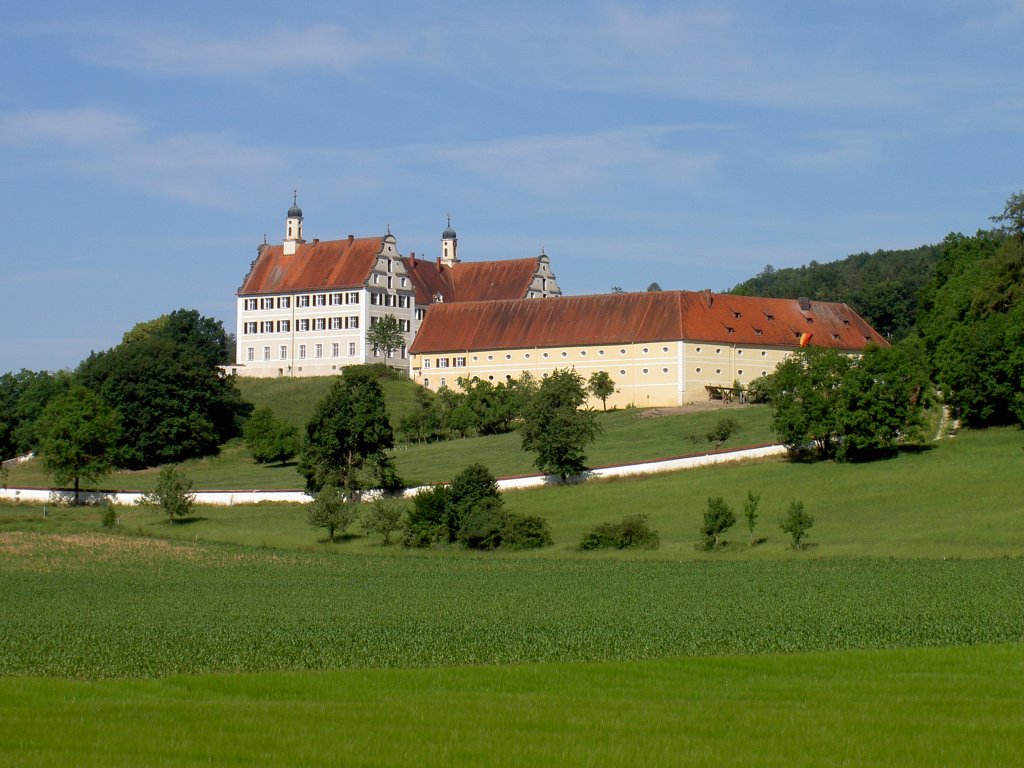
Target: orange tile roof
[638,317]
[318,265]
[471,280]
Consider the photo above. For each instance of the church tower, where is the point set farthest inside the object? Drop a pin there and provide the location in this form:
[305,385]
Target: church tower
[449,245]
[293,226]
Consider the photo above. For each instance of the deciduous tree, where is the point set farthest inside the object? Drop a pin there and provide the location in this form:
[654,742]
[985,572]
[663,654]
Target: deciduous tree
[77,436]
[385,335]
[330,509]
[270,438]
[796,523]
[601,386]
[718,518]
[556,427]
[349,430]
[172,494]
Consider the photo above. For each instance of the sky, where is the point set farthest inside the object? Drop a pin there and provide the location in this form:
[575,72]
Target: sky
[147,149]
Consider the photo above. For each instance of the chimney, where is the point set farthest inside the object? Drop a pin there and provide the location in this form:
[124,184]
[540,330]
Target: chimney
[412,259]
[805,304]
[438,263]
[316,240]
[350,239]
[707,296]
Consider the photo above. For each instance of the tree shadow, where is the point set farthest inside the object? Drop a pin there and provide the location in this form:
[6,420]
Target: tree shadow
[188,520]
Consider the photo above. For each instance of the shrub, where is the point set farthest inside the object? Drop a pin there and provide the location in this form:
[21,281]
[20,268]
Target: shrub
[172,495]
[482,526]
[525,532]
[632,532]
[427,521]
[718,518]
[108,516]
[331,510]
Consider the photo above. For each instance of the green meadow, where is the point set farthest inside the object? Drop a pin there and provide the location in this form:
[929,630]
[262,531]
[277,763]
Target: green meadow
[241,636]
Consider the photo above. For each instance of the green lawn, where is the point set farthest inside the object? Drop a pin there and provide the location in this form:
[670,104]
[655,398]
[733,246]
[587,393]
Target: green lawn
[921,707]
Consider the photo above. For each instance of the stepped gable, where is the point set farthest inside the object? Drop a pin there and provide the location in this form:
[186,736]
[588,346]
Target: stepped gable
[317,265]
[639,317]
[471,281]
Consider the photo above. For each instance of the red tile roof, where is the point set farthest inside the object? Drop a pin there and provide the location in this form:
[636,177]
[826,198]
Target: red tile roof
[319,265]
[638,317]
[471,280]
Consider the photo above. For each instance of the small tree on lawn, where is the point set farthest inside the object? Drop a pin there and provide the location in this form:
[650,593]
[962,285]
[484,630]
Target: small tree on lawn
[172,495]
[796,523]
[385,335]
[383,517]
[601,386]
[270,438]
[750,513]
[330,510]
[722,431]
[718,518]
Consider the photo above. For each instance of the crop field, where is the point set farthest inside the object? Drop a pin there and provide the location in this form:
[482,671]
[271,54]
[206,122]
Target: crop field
[98,606]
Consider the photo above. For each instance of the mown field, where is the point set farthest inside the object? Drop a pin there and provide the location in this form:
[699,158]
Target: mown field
[906,707]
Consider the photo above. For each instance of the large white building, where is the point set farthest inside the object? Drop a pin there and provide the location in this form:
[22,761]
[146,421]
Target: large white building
[305,306]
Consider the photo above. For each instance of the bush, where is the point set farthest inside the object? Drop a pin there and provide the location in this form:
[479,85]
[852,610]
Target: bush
[383,517]
[632,532]
[427,521]
[482,526]
[525,532]
[108,515]
[172,495]
[331,510]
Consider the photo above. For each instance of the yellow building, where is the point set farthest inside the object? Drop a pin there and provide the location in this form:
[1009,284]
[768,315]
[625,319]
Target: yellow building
[660,348]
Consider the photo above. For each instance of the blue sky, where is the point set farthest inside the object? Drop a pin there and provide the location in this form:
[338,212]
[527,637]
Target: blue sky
[145,149]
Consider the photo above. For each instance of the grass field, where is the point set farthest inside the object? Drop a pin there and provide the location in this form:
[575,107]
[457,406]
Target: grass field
[942,706]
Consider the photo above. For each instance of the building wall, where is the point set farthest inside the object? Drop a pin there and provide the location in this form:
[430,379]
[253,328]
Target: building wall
[648,374]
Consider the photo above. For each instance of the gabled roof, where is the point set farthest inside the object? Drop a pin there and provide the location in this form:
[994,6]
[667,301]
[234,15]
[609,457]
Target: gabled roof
[637,317]
[319,265]
[471,280]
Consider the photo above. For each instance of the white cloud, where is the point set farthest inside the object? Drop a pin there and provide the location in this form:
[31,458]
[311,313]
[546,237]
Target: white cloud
[67,126]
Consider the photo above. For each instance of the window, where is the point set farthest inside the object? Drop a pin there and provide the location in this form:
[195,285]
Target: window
[420,313]
[283,326]
[697,350]
[335,299]
[739,372]
[718,371]
[319,324]
[490,357]
[284,352]
[302,301]
[284,302]
[444,382]
[460,362]
[600,352]
[351,349]
[442,362]
[622,351]
[266,353]
[645,371]
[250,328]
[718,351]
[527,356]
[251,304]
[404,325]
[318,350]
[302,351]
[250,354]
[698,370]
[583,353]
[739,351]
[319,299]
[266,303]
[267,326]
[508,357]
[664,370]
[622,373]
[352,297]
[545,354]
[664,349]
[426,382]
[645,350]
[303,325]
[352,322]
[335,323]
[426,362]
[375,299]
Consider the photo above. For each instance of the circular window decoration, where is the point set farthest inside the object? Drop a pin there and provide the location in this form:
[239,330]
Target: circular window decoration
[622,373]
[763,353]
[646,371]
[664,370]
[600,351]
[697,350]
[718,371]
[764,373]
[739,373]
[565,354]
[508,357]
[622,351]
[490,378]
[645,350]
[490,357]
[527,355]
[698,370]
[583,353]
[475,358]
[545,354]
[739,351]
[718,351]
[664,349]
